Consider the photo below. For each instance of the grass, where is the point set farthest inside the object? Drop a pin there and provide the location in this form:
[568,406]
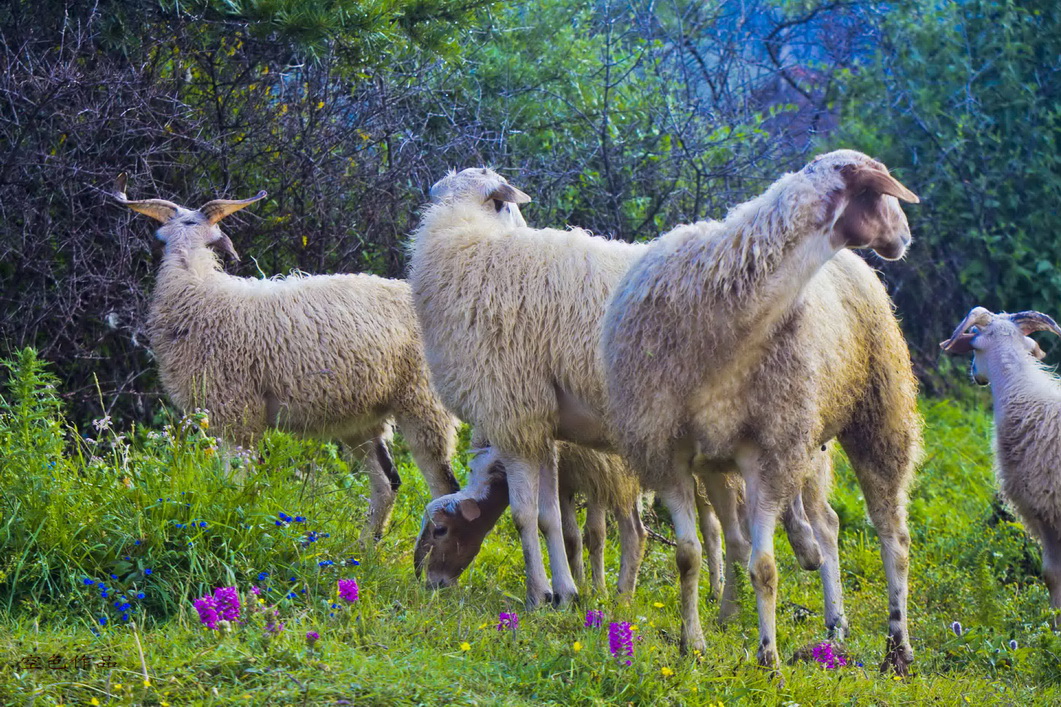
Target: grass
[124,503]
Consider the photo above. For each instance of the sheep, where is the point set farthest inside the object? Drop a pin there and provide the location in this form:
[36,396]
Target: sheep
[1027,422]
[757,339]
[511,319]
[445,548]
[327,356]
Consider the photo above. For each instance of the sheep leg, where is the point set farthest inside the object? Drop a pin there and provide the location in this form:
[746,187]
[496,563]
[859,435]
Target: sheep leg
[523,499]
[726,502]
[572,536]
[679,496]
[826,526]
[632,537]
[595,534]
[711,532]
[801,535]
[886,504]
[1051,541]
[383,479]
[431,439]
[549,522]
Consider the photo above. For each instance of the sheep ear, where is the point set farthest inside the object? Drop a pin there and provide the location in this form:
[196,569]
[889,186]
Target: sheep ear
[218,209]
[469,509]
[158,209]
[510,194]
[1035,349]
[957,343]
[875,177]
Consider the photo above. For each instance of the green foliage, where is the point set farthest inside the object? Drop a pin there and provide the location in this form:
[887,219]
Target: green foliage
[964,99]
[112,505]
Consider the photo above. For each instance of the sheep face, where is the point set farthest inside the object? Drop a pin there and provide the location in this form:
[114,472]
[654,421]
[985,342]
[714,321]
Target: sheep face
[982,331]
[484,188]
[455,526]
[862,203]
[186,228]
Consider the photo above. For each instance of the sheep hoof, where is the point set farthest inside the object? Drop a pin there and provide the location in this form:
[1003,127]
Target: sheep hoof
[564,599]
[693,645]
[767,657]
[839,631]
[534,600]
[897,658]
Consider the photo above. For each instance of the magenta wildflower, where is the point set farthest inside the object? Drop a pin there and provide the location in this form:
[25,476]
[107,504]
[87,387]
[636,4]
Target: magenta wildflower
[348,589]
[227,601]
[311,638]
[824,654]
[255,590]
[207,608]
[621,641]
[594,618]
[507,621]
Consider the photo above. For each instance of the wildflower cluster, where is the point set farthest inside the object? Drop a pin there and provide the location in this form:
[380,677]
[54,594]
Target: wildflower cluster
[594,618]
[828,657]
[119,598]
[223,605]
[621,641]
[348,590]
[507,621]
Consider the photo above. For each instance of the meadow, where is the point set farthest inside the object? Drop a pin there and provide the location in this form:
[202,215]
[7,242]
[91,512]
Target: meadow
[110,536]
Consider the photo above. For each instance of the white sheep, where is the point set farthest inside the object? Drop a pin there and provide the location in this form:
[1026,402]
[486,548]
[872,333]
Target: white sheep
[328,356]
[446,547]
[1027,422]
[755,341]
[511,317]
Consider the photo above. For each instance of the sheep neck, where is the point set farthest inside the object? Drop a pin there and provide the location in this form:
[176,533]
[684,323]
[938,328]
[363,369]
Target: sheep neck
[1016,377]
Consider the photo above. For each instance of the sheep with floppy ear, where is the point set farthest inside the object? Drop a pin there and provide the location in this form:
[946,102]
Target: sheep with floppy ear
[329,356]
[757,339]
[1027,422]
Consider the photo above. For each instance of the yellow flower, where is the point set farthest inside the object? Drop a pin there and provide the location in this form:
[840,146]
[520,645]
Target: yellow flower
[204,423]
[93,701]
[658,604]
[147,682]
[484,625]
[466,646]
[209,451]
[283,108]
[163,703]
[666,672]
[117,686]
[634,627]
[305,240]
[577,646]
[320,105]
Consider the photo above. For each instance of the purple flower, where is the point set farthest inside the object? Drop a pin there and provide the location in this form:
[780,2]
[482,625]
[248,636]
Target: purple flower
[227,601]
[274,628]
[1013,645]
[957,628]
[207,608]
[621,641]
[348,589]
[256,590]
[594,618]
[507,621]
[824,654]
[311,638]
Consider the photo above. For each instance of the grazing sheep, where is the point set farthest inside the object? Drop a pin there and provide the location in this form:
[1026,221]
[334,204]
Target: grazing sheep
[757,339]
[1027,422]
[456,524]
[328,356]
[511,318]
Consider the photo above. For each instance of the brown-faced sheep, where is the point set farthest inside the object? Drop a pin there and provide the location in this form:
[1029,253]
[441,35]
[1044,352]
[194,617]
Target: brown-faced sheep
[1027,422]
[755,341]
[328,356]
[456,524]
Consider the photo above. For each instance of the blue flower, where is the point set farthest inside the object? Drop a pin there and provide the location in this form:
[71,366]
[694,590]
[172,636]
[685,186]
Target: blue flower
[277,523]
[138,543]
[125,617]
[262,576]
[293,579]
[202,524]
[114,576]
[148,571]
[103,621]
[104,594]
[140,595]
[300,519]
[88,582]
[292,595]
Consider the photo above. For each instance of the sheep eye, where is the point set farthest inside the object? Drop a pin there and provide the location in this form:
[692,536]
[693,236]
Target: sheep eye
[498,205]
[440,531]
[188,222]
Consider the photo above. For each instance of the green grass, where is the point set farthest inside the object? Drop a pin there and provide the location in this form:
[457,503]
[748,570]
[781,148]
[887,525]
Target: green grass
[74,508]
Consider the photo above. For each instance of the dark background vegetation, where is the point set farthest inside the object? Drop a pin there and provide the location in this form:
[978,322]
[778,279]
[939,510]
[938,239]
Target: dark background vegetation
[626,118]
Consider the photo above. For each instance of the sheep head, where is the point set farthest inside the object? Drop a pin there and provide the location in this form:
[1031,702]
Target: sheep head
[455,525]
[862,203]
[484,189]
[981,330]
[187,227]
